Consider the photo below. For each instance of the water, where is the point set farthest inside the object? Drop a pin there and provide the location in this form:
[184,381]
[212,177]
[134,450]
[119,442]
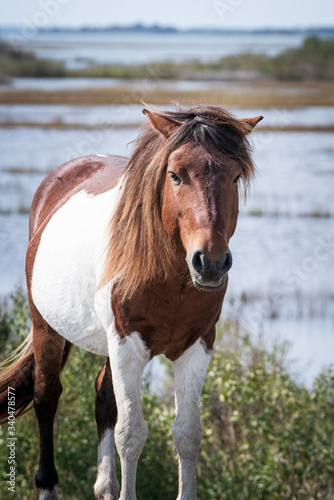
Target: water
[283,248]
[78,49]
[114,114]
[50,84]
[295,168]
[13,246]
[295,176]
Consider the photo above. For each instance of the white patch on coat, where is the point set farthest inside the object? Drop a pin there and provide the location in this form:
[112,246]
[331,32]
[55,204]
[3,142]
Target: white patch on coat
[49,495]
[189,370]
[67,269]
[106,482]
[128,358]
[102,156]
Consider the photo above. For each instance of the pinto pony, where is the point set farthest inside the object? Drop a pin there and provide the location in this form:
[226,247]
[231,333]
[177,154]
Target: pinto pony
[129,258]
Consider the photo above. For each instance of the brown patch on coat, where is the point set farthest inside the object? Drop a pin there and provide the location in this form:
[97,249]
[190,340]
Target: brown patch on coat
[105,402]
[170,316]
[92,173]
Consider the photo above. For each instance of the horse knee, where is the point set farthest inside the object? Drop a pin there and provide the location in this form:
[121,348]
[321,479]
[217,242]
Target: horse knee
[187,436]
[130,437]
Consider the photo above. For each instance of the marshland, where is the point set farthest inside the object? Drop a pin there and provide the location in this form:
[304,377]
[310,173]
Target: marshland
[64,95]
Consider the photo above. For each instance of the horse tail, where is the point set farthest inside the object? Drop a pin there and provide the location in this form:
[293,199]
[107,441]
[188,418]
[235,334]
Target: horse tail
[16,378]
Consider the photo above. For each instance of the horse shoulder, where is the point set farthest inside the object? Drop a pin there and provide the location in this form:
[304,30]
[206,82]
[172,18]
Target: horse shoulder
[94,173]
[65,254]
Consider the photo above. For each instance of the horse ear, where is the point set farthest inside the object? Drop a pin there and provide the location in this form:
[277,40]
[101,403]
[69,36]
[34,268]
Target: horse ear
[251,123]
[162,124]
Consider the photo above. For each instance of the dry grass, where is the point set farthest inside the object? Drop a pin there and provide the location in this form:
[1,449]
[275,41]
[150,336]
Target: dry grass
[69,126]
[316,214]
[247,94]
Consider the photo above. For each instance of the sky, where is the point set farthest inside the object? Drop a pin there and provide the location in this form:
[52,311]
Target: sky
[179,13]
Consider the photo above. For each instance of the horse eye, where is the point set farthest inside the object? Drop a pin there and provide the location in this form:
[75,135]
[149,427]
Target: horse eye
[236,179]
[175,179]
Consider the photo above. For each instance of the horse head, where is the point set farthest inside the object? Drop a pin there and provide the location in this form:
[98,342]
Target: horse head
[200,193]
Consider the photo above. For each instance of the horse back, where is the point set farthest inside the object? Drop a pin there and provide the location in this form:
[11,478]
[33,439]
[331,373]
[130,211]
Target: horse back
[95,174]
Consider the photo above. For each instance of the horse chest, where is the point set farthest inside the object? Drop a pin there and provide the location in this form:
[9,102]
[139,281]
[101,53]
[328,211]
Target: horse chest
[167,320]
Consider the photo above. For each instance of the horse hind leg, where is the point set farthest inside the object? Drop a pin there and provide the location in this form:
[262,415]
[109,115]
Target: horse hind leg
[51,351]
[106,486]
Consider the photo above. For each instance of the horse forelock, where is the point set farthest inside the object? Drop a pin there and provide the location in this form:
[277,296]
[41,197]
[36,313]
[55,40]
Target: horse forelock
[139,250]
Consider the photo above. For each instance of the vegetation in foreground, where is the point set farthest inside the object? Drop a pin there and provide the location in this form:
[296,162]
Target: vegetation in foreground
[265,437]
[314,60]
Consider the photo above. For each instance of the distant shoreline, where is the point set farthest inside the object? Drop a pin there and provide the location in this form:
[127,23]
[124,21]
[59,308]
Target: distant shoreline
[156,29]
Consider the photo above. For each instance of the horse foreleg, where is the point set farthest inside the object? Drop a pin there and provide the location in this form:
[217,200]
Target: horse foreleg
[49,353]
[128,357]
[106,486]
[189,372]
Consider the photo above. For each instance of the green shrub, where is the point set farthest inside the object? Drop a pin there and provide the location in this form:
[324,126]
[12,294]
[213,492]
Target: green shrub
[264,436]
[18,63]
[314,60]
[15,322]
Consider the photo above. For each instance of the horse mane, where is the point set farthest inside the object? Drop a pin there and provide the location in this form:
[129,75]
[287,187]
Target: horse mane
[139,250]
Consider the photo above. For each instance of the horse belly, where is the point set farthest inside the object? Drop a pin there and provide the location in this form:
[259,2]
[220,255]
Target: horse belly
[67,268]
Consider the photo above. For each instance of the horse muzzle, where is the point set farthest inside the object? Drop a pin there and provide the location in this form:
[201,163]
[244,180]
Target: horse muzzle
[208,272]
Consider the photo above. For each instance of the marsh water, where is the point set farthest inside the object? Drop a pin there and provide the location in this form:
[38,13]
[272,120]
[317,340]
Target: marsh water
[78,49]
[283,248]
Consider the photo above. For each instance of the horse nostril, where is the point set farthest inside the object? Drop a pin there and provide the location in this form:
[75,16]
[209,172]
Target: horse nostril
[226,262]
[202,264]
[198,261]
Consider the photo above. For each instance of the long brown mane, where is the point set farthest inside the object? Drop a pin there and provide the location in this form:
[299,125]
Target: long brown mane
[139,250]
